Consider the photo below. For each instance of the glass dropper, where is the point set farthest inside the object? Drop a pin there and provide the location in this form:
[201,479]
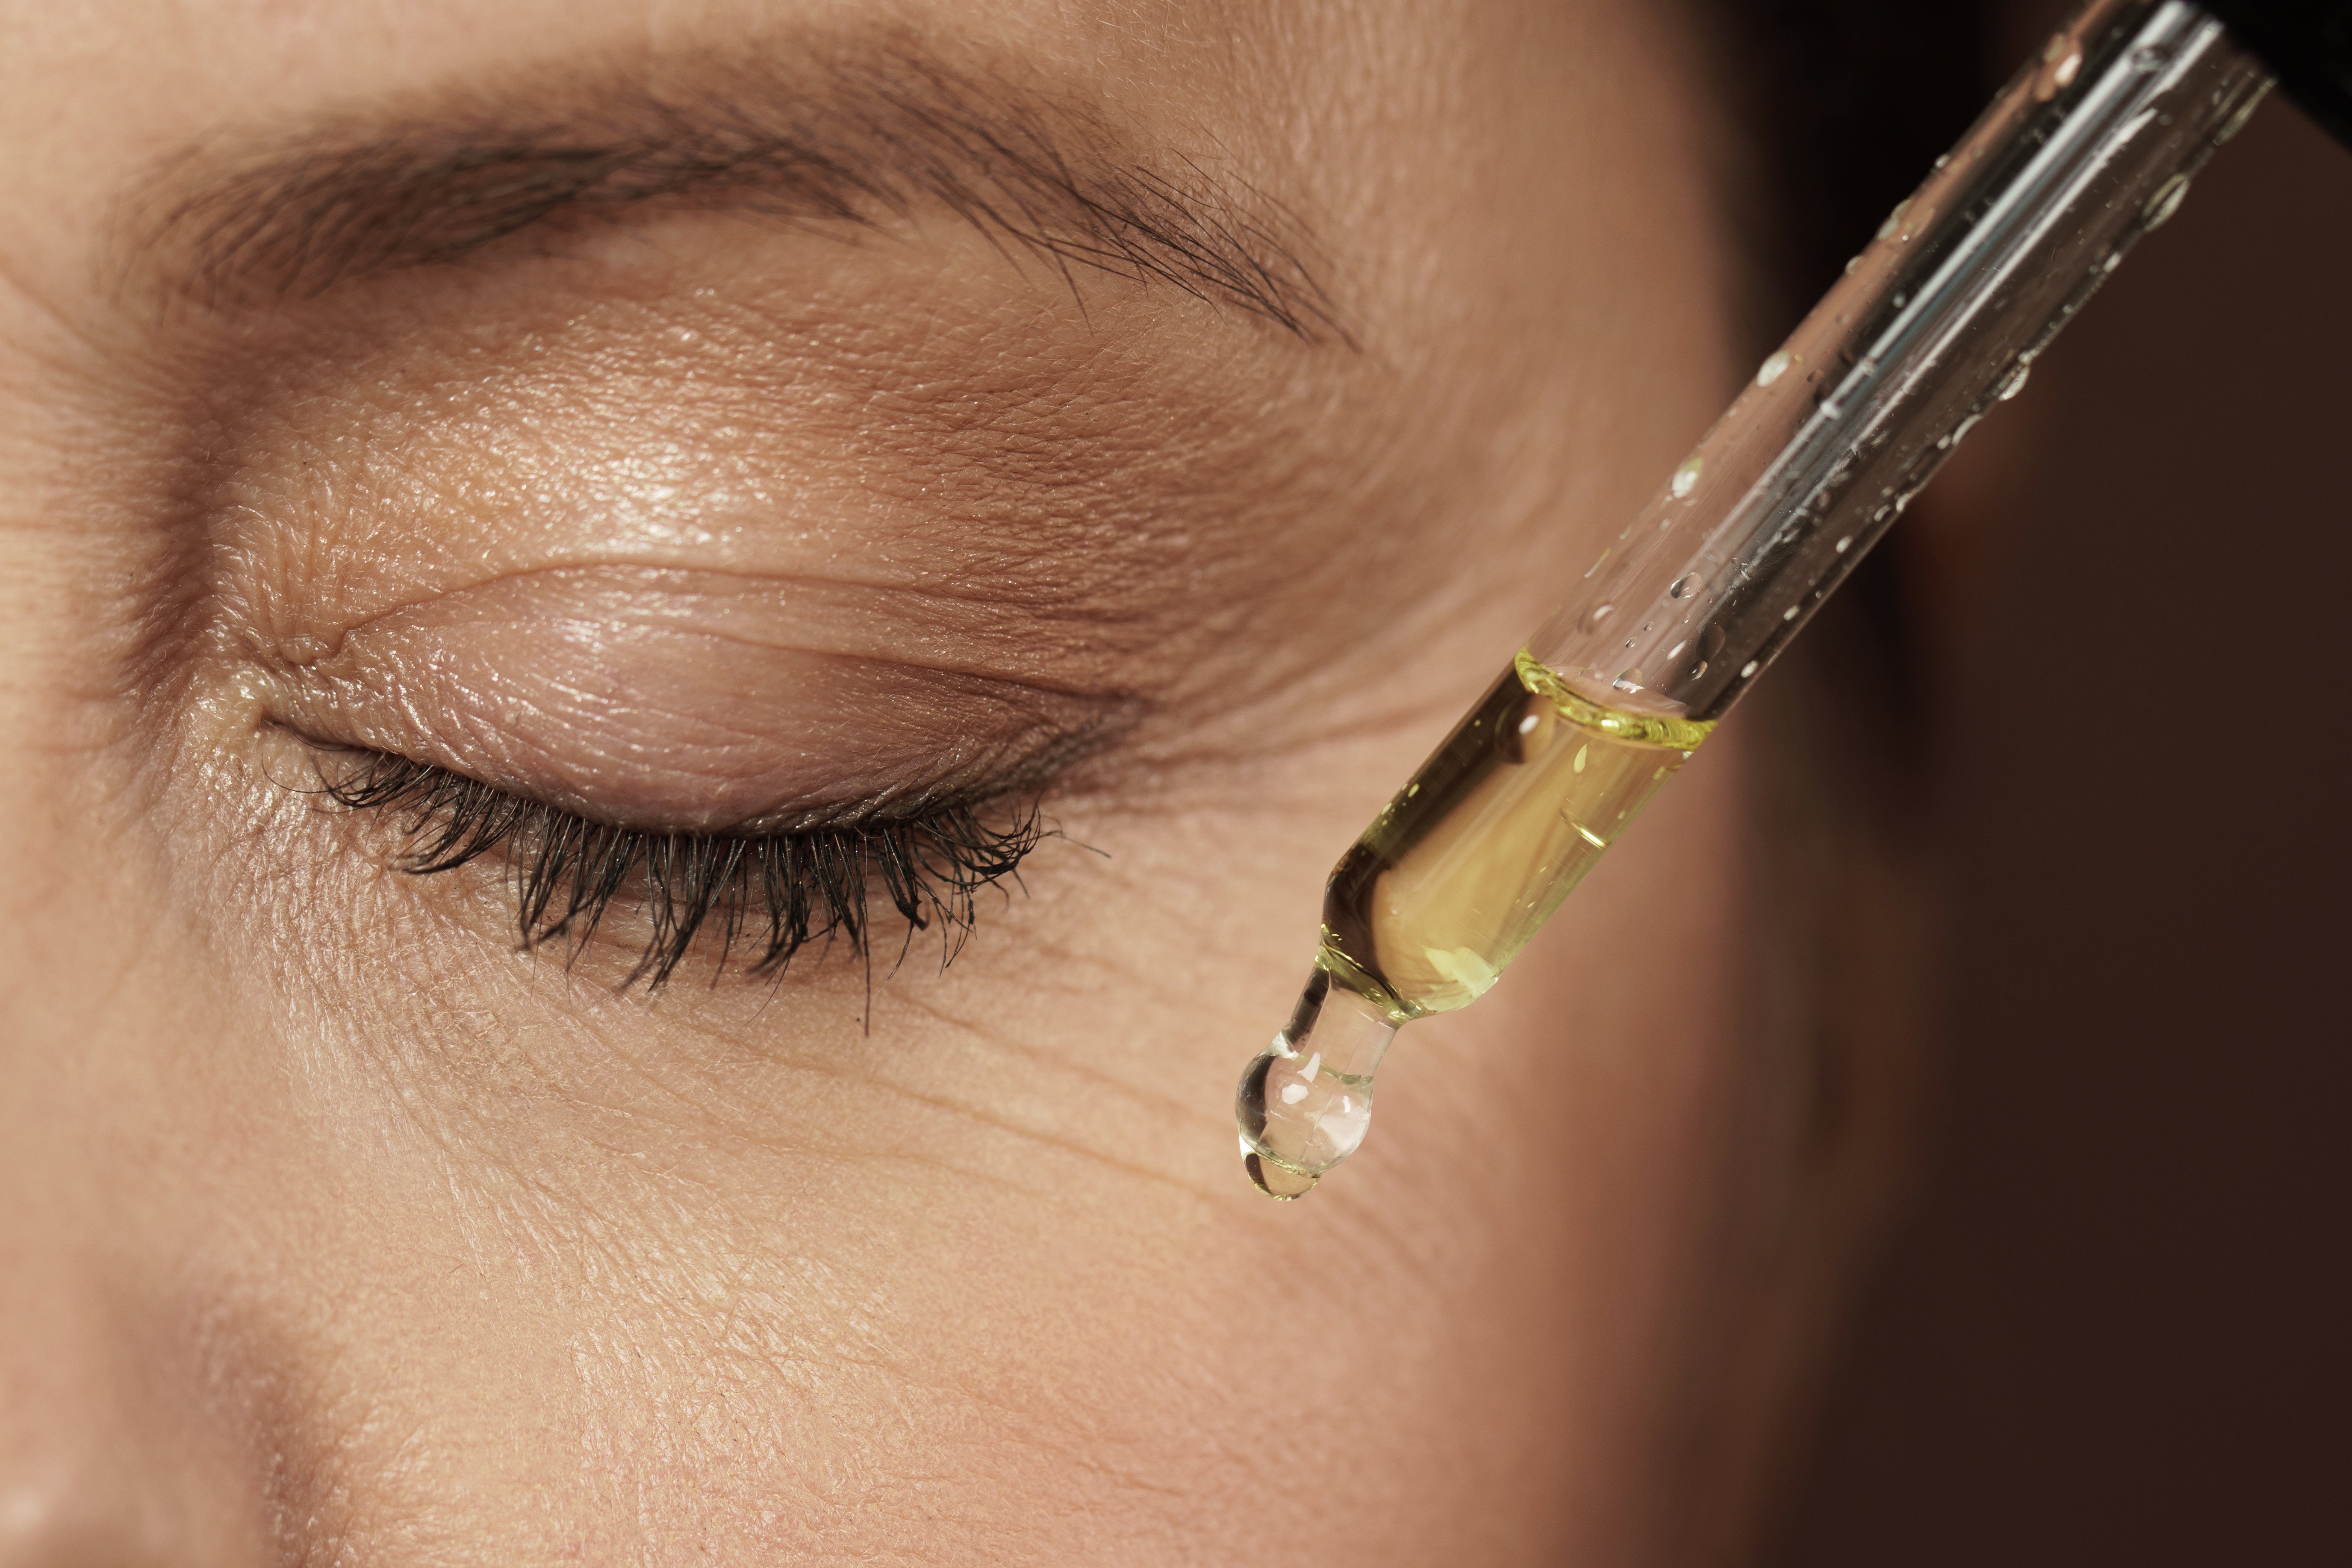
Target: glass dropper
[1938,319]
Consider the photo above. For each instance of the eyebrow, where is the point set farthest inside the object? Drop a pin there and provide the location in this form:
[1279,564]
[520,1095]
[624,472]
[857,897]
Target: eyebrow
[826,136]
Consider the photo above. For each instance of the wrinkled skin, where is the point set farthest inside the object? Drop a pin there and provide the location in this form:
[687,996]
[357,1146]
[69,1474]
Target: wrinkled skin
[341,1229]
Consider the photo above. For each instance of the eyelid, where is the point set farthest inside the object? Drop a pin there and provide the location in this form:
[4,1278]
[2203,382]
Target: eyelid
[659,701]
[777,892]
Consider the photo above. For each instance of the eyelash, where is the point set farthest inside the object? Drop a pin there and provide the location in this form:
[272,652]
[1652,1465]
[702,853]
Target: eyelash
[785,890]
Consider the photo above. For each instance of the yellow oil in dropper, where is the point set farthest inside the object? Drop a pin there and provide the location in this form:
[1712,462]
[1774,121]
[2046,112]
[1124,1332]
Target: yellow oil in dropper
[1442,891]
[1477,850]
[2089,148]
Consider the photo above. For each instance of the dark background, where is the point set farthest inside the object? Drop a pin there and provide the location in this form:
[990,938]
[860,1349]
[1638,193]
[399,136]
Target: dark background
[2111,1324]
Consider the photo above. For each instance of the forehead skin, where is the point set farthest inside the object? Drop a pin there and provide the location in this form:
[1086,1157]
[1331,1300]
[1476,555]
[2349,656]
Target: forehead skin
[342,1232]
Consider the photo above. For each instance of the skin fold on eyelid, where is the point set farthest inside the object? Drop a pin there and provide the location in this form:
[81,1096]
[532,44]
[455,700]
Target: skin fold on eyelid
[696,700]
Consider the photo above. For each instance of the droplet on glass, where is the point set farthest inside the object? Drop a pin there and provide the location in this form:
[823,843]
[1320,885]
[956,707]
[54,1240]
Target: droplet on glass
[2014,382]
[1750,667]
[2237,122]
[1903,223]
[2164,202]
[1773,369]
[1595,615]
[1686,477]
[1843,542]
[1685,586]
[2061,61]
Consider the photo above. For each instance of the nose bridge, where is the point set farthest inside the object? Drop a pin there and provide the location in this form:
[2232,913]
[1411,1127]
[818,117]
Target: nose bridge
[120,1439]
[114,1446]
[84,1074]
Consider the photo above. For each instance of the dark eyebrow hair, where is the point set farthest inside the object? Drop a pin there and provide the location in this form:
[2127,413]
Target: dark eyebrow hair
[826,136]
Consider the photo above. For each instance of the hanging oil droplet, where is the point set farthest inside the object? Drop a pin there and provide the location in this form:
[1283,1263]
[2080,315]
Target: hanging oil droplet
[1306,1102]
[1273,1180]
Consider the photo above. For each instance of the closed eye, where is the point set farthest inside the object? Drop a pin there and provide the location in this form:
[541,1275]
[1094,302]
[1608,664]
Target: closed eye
[753,900]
